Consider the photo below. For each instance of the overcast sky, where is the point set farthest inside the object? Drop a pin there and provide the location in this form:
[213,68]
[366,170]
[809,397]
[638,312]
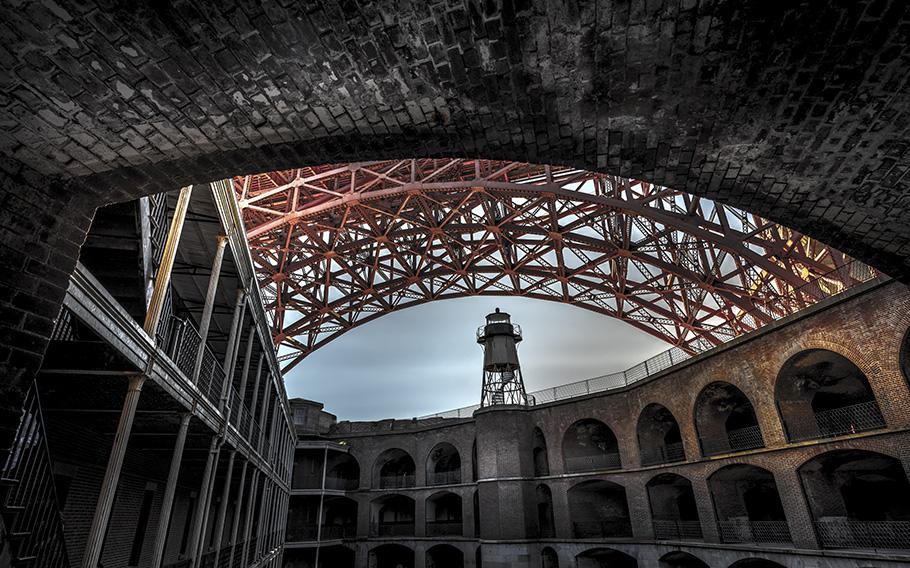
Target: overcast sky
[424,359]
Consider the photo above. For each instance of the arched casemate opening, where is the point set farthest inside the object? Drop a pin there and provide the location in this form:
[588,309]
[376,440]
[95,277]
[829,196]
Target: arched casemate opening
[598,509]
[590,445]
[541,457]
[474,461]
[392,556]
[342,472]
[394,468]
[680,559]
[725,420]
[443,465]
[443,512]
[822,394]
[604,558]
[674,513]
[545,525]
[444,556]
[747,505]
[339,518]
[756,563]
[549,558]
[659,439]
[858,499]
[392,515]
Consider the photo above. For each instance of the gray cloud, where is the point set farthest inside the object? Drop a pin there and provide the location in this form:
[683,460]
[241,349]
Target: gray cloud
[424,359]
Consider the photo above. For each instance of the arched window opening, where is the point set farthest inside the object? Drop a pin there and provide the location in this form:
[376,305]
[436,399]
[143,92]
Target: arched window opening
[605,558]
[391,556]
[342,472]
[905,355]
[541,458]
[725,420]
[392,515]
[659,439]
[545,523]
[756,563]
[748,505]
[444,556]
[590,445]
[549,558]
[822,394]
[339,518]
[674,513]
[394,468]
[443,465]
[858,499]
[680,559]
[598,509]
[444,514]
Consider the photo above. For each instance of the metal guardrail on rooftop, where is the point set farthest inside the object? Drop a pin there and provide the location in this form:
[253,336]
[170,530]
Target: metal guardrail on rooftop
[830,284]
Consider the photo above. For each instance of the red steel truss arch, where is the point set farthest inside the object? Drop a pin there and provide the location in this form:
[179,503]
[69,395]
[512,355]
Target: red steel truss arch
[336,246]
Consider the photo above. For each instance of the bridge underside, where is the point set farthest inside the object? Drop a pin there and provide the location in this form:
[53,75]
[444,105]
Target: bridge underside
[339,245]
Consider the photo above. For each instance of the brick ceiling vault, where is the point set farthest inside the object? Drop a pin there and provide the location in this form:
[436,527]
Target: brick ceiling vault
[336,246]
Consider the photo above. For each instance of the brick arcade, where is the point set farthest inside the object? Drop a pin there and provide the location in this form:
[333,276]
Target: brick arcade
[143,417]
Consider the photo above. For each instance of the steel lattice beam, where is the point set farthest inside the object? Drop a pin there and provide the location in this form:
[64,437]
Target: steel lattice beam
[336,246]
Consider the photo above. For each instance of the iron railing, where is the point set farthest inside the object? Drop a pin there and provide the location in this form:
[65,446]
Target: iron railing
[595,462]
[618,528]
[181,344]
[827,285]
[667,453]
[444,528]
[28,496]
[443,477]
[738,440]
[762,532]
[392,528]
[396,481]
[841,421]
[668,529]
[849,533]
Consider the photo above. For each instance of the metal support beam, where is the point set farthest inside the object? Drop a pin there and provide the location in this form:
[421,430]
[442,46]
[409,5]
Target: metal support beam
[230,355]
[244,374]
[95,541]
[202,506]
[206,319]
[167,501]
[238,508]
[163,278]
[255,396]
[222,508]
[248,522]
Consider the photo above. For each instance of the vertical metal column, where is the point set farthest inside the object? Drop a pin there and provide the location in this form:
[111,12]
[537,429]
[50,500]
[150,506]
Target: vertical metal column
[248,523]
[222,509]
[95,541]
[167,502]
[255,395]
[244,374]
[238,509]
[266,398]
[163,278]
[325,462]
[202,506]
[230,354]
[206,320]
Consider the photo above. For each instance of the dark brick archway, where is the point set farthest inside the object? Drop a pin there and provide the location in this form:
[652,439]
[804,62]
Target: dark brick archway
[797,114]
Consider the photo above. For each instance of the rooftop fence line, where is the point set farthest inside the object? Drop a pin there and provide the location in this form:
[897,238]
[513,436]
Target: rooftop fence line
[827,285]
